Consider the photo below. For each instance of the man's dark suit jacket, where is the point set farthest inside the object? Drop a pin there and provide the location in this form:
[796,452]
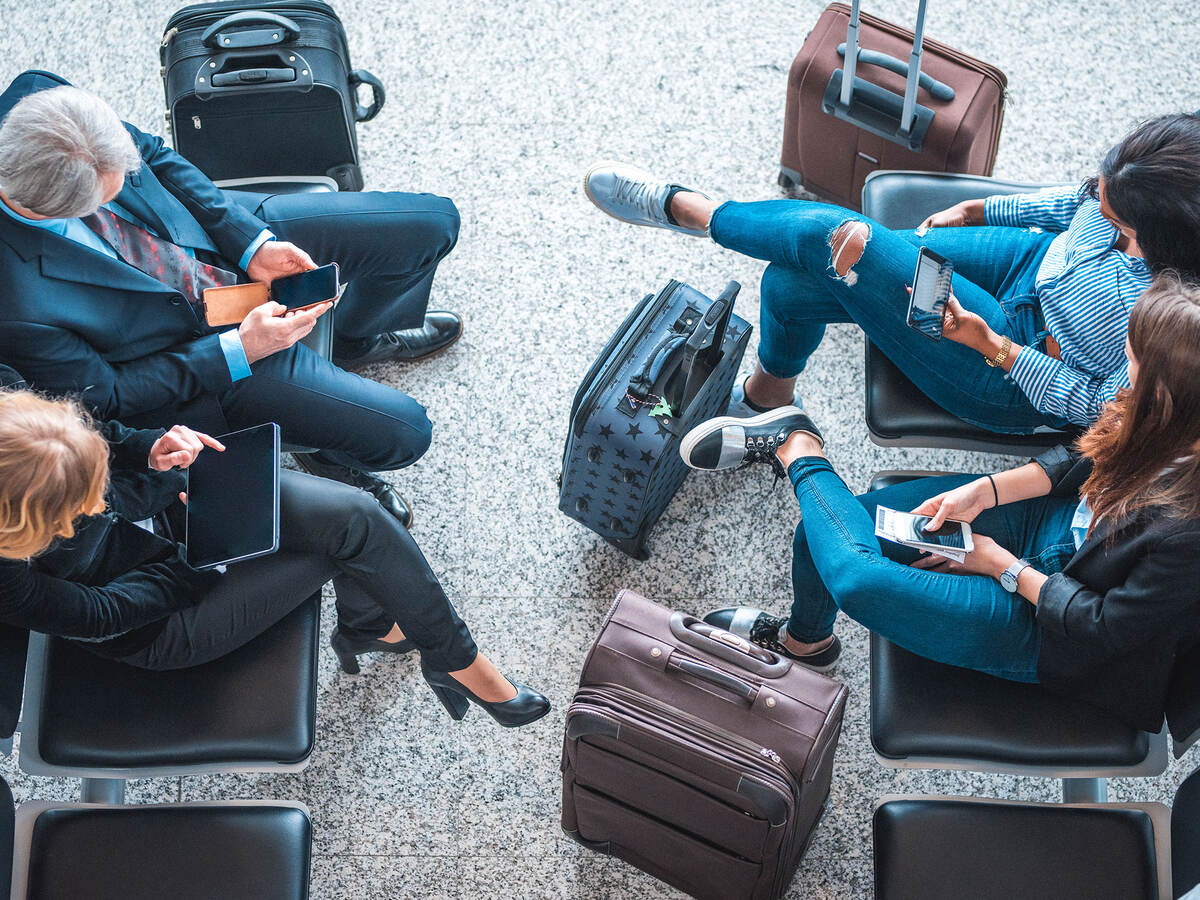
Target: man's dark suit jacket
[74,321]
[1124,607]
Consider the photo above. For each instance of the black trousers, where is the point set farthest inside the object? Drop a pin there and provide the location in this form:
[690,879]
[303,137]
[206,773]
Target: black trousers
[388,245]
[326,530]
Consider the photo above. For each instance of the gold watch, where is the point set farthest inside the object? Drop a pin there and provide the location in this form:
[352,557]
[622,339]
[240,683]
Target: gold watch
[1002,355]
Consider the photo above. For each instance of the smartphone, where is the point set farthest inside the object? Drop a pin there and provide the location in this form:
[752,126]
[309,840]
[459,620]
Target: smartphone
[306,289]
[956,535]
[930,291]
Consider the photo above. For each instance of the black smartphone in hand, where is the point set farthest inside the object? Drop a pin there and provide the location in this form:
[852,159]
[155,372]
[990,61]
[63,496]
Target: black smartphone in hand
[930,291]
[305,289]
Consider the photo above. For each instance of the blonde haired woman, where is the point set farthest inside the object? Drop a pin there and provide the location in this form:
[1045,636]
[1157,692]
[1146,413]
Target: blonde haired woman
[72,567]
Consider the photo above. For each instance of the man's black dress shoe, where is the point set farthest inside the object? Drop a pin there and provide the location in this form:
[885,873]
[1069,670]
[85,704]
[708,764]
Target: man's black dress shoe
[441,329]
[389,498]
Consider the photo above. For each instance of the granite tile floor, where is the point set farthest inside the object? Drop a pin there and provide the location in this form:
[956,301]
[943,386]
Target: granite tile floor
[502,106]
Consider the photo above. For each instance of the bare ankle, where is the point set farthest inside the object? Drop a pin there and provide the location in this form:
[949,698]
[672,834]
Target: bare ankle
[802,649]
[690,209]
[769,392]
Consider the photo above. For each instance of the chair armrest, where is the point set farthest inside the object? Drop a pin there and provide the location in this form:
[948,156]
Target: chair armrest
[904,199]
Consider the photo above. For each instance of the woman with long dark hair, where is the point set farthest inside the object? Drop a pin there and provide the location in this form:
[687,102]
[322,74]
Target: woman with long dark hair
[1084,573]
[1044,281]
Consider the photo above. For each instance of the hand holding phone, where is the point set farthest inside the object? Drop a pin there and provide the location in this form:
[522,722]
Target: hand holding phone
[272,327]
[231,305]
[929,293]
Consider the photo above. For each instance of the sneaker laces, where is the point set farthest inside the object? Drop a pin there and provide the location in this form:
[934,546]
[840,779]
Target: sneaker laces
[642,195]
[765,632]
[762,449]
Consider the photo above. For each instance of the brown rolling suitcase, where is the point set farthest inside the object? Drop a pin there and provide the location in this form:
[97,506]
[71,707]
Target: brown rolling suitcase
[696,756]
[939,112]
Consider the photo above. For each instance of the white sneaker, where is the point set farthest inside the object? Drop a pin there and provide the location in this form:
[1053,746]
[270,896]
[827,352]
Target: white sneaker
[632,195]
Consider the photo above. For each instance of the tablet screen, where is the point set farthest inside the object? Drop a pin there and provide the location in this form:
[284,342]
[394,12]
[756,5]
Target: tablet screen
[233,499]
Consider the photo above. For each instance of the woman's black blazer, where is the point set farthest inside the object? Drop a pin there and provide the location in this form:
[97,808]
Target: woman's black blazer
[1126,604]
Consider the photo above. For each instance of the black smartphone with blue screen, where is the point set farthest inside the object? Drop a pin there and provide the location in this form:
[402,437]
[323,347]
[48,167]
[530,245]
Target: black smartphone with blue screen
[930,291]
[306,289]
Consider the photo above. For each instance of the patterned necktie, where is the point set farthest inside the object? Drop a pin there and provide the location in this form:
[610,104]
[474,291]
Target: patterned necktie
[160,259]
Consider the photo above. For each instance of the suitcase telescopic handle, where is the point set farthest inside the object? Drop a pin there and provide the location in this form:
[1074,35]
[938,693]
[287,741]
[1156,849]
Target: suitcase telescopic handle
[279,29]
[938,90]
[728,646]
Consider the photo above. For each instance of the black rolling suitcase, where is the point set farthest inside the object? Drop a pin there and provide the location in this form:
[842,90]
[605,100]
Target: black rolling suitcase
[265,89]
[670,365]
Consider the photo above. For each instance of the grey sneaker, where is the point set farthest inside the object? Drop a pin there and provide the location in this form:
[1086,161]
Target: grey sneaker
[742,408]
[632,195]
[727,442]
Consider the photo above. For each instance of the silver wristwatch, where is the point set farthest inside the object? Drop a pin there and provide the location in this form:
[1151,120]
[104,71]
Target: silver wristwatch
[1008,578]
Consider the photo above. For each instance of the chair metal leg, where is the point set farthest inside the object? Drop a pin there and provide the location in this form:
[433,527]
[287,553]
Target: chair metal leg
[1084,790]
[102,790]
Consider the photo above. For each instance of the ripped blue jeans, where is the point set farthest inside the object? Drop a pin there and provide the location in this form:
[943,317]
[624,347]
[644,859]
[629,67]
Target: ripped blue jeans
[961,620]
[994,273]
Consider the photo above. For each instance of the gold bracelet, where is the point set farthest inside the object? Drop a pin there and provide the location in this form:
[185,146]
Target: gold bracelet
[1005,346]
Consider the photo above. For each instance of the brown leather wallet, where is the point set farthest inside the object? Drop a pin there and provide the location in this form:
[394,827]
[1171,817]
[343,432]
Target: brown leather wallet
[230,304]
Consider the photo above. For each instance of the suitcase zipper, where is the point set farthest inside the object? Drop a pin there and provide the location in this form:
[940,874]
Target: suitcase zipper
[732,741]
[694,742]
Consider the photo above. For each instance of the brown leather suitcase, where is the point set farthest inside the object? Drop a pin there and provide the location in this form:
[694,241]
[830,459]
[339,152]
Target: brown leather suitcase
[837,131]
[696,756]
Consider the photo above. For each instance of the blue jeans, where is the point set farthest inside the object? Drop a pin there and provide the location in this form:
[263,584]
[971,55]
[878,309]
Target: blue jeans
[961,620]
[994,272]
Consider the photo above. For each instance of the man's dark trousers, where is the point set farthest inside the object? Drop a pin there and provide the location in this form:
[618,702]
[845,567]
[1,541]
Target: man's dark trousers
[388,245]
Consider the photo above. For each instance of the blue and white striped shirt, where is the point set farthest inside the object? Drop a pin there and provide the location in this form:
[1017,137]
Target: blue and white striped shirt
[1086,289]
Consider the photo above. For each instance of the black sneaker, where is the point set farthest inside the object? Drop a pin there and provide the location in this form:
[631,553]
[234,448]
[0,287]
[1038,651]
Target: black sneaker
[767,631]
[726,441]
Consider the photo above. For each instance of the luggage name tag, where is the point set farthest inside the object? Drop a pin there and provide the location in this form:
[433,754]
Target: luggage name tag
[662,408]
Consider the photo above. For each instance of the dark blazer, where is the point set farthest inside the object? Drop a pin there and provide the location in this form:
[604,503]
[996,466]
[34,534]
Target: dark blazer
[1126,604]
[74,321]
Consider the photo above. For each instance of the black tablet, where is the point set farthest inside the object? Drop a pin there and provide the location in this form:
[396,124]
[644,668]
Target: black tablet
[233,499]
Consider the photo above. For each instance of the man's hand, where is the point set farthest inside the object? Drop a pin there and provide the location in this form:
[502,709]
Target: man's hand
[179,447]
[275,259]
[270,328]
[988,558]
[969,212]
[962,504]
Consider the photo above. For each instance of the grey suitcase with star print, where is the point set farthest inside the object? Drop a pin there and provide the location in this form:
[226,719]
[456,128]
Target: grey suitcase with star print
[670,365]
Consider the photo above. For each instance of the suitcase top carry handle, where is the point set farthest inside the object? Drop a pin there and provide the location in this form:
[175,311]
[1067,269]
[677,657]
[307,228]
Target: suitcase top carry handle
[728,646]
[875,109]
[743,689]
[279,29]
[938,90]
[220,74]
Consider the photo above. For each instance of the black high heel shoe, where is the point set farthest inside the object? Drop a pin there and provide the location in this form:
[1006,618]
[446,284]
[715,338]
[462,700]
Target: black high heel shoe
[522,709]
[347,650]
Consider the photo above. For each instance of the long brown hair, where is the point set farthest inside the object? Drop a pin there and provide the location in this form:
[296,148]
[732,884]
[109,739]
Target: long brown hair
[53,469]
[1145,447]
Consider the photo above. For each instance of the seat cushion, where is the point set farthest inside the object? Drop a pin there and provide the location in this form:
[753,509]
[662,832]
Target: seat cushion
[897,411]
[1183,700]
[181,852]
[921,708]
[934,848]
[257,704]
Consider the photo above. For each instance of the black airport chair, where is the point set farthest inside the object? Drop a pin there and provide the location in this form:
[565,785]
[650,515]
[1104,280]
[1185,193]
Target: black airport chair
[253,710]
[898,414]
[926,715]
[186,851]
[947,848]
